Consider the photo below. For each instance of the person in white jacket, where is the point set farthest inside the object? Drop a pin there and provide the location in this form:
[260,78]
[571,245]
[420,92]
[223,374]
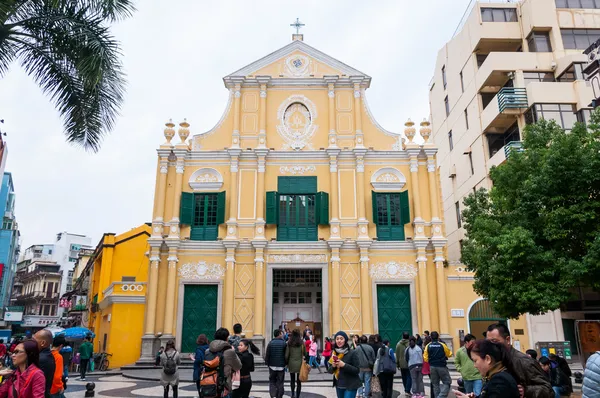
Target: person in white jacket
[591,377]
[414,357]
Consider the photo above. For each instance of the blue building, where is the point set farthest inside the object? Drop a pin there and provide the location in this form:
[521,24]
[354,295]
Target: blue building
[9,240]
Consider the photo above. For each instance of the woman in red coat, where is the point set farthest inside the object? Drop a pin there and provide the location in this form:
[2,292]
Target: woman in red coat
[28,380]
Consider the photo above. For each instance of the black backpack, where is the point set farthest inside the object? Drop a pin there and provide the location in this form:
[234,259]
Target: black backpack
[170,367]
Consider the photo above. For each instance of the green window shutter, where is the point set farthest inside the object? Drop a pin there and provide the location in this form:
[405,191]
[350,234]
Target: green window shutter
[323,208]
[221,207]
[397,232]
[374,199]
[297,185]
[271,208]
[404,208]
[186,209]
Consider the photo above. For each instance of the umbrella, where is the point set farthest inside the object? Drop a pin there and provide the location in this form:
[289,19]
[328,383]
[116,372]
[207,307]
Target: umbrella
[76,333]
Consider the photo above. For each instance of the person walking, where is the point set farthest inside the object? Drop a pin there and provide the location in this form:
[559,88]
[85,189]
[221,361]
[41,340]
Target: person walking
[345,367]
[387,369]
[246,352]
[436,354]
[231,362]
[327,348]
[169,376]
[491,359]
[43,338]
[531,378]
[58,388]
[198,358]
[28,380]
[67,354]
[414,358]
[471,376]
[402,363]
[312,354]
[275,360]
[591,377]
[237,336]
[85,353]
[366,362]
[294,354]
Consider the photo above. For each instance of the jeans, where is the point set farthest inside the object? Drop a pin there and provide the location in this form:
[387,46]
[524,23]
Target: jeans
[166,394]
[276,378]
[295,384]
[416,376]
[58,395]
[386,379]
[66,371]
[406,379]
[557,391]
[83,365]
[440,374]
[343,393]
[244,390]
[474,386]
[312,362]
[365,377]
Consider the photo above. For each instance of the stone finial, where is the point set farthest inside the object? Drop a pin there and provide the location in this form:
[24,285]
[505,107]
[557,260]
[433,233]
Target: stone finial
[169,130]
[184,130]
[425,130]
[409,131]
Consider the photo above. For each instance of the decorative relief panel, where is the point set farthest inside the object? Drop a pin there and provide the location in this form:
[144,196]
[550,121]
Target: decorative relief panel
[297,116]
[393,270]
[344,123]
[206,179]
[201,270]
[297,65]
[249,123]
[298,258]
[250,102]
[388,179]
[244,296]
[297,169]
[350,296]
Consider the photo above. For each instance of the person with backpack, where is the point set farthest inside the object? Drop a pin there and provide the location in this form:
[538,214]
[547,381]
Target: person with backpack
[275,360]
[234,340]
[220,363]
[198,358]
[294,354]
[170,360]
[386,369]
[402,363]
[246,352]
[366,357]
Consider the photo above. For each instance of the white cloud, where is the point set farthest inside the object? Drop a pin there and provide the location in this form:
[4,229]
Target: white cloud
[175,55]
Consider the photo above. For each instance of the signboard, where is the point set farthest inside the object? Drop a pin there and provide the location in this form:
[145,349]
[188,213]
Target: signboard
[457,313]
[559,348]
[1,270]
[588,333]
[39,321]
[10,316]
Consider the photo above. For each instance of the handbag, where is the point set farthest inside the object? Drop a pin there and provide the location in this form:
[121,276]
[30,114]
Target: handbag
[304,371]
[235,380]
[375,384]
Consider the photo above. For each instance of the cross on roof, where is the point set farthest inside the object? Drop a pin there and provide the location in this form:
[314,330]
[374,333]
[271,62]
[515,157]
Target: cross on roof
[297,25]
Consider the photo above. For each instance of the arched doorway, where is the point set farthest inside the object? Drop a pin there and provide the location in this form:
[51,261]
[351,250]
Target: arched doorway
[481,316]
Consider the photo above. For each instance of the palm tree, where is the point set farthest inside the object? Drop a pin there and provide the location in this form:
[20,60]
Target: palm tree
[66,46]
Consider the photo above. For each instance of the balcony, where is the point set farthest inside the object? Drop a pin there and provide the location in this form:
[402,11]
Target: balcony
[512,98]
[503,109]
[513,146]
[501,156]
[494,70]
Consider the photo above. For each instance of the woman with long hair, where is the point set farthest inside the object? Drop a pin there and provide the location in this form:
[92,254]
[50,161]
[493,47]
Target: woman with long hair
[198,358]
[166,378]
[312,354]
[294,354]
[490,360]
[246,349]
[345,366]
[28,380]
[327,349]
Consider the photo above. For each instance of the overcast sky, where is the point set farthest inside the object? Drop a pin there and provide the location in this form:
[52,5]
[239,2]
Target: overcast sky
[175,54]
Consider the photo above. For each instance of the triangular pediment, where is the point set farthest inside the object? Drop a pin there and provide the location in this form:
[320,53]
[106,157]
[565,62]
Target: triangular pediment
[297,59]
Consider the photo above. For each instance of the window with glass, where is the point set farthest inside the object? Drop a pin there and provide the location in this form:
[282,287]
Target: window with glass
[471,163]
[467,119]
[390,213]
[203,212]
[538,77]
[563,114]
[584,116]
[539,42]
[499,14]
[462,82]
[497,141]
[591,4]
[444,76]
[573,73]
[579,39]
[458,217]
[447,106]
[450,142]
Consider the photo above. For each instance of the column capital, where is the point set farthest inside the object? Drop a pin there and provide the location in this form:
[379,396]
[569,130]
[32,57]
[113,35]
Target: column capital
[335,245]
[263,80]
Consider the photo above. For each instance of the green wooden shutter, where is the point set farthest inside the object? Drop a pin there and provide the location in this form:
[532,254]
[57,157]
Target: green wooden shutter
[374,199]
[271,208]
[186,209]
[297,185]
[221,207]
[404,208]
[322,208]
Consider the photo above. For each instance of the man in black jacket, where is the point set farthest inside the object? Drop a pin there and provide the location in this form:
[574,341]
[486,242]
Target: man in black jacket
[275,360]
[47,364]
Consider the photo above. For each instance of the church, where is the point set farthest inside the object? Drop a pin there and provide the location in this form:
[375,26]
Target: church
[297,207]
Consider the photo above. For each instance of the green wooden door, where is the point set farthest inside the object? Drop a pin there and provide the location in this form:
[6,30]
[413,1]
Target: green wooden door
[199,314]
[393,309]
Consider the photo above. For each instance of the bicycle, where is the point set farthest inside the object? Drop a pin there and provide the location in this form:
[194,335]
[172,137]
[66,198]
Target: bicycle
[101,361]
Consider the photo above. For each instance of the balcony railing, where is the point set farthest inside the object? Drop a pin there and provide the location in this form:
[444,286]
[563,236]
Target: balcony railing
[516,146]
[512,98]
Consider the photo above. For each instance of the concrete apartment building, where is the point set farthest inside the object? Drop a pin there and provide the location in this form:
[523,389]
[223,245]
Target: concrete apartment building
[9,239]
[509,64]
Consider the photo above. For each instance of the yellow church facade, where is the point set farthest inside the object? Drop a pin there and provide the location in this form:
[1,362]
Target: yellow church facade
[299,208]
